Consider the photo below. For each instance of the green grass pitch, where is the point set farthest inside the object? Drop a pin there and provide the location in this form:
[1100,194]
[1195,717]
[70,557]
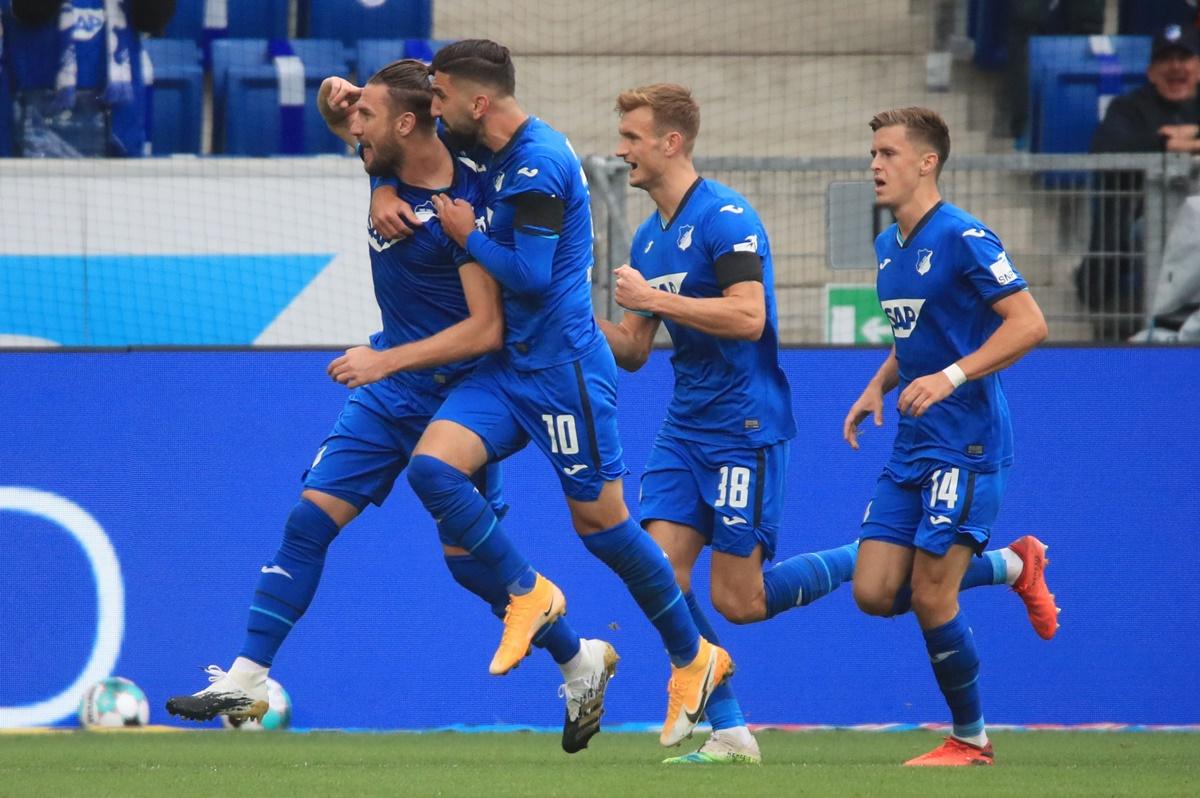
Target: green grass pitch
[214,763]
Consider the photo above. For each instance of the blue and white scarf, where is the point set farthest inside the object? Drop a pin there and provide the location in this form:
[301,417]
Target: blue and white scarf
[216,26]
[117,37]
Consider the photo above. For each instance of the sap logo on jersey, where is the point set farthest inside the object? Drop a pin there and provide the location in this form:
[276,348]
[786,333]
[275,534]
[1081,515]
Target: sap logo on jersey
[903,314]
[1002,270]
[671,283]
[377,241]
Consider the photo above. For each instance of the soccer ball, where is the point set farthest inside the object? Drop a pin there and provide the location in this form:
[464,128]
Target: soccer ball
[114,702]
[279,712]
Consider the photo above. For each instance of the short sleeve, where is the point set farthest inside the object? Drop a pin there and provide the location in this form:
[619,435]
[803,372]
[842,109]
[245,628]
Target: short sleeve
[985,263]
[733,228]
[538,172]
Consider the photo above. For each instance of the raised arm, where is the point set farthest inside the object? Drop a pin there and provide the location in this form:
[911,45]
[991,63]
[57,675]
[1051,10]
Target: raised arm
[335,101]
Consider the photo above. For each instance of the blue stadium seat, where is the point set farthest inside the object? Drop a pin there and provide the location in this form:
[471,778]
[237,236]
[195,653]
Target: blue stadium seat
[246,115]
[1141,18]
[373,54]
[1067,81]
[351,20]
[247,19]
[178,96]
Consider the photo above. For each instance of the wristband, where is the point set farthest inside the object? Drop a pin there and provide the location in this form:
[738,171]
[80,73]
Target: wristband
[955,374]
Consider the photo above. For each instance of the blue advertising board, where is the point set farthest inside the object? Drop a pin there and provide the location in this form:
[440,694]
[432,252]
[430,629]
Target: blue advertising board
[141,492]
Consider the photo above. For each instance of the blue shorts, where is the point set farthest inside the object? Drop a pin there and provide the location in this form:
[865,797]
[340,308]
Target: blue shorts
[930,505]
[732,495]
[372,442]
[569,411]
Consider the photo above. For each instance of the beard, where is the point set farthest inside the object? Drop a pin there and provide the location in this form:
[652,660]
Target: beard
[458,140]
[386,160]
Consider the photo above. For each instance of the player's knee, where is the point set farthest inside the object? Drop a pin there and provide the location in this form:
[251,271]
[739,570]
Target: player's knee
[931,601]
[431,479]
[740,608]
[873,600]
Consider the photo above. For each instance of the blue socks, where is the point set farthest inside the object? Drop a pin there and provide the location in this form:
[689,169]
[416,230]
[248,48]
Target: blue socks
[986,570]
[723,710]
[642,565]
[951,648]
[466,520]
[801,580]
[558,638]
[989,569]
[288,582]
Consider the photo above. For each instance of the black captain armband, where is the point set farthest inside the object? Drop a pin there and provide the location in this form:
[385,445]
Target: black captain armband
[738,267]
[537,213]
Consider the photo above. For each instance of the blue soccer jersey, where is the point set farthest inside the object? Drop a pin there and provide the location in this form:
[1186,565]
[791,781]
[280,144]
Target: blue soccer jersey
[937,289]
[553,325]
[726,391]
[416,279]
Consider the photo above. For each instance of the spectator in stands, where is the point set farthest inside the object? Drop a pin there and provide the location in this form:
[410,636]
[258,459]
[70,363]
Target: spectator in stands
[1038,18]
[75,73]
[1162,116]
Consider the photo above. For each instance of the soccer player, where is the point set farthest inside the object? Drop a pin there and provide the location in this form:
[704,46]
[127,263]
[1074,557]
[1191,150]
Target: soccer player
[960,312]
[701,264]
[554,382]
[441,311]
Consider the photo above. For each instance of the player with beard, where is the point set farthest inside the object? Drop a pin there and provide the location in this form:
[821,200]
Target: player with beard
[441,311]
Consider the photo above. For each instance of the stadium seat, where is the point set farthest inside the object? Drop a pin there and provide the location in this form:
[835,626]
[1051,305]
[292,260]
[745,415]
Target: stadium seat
[246,18]
[374,54]
[1070,80]
[246,112]
[1140,18]
[351,20]
[178,96]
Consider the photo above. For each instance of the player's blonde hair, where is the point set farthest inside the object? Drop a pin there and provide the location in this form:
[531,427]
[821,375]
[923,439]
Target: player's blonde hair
[923,124]
[672,105]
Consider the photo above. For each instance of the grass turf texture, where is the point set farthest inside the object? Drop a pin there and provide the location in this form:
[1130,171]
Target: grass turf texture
[617,766]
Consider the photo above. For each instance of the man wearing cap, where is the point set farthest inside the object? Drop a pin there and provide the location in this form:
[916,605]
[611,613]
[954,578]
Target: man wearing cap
[1162,116]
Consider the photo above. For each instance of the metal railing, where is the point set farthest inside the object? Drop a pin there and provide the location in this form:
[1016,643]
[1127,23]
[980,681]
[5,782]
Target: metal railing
[1086,231]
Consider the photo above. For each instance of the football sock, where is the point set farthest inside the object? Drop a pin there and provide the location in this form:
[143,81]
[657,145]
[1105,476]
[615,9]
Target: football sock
[1013,565]
[801,580]
[722,710]
[466,520]
[951,648]
[643,566]
[287,584]
[990,569]
[558,638]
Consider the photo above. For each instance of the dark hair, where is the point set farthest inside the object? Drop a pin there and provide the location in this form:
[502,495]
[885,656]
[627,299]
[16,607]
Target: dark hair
[408,88]
[923,124]
[672,106]
[481,60]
